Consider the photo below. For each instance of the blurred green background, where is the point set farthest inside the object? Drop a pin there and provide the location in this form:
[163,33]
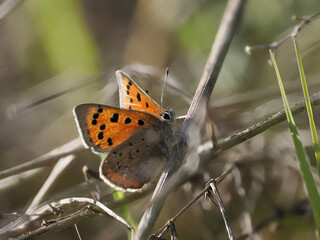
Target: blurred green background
[49,46]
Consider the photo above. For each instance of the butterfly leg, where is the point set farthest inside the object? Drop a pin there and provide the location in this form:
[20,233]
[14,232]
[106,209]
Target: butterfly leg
[86,172]
[164,151]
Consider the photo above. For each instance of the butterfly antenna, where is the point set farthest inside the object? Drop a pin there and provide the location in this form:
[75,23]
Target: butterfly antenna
[164,85]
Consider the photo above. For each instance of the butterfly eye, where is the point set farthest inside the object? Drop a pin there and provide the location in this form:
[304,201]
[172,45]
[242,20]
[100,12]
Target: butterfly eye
[166,116]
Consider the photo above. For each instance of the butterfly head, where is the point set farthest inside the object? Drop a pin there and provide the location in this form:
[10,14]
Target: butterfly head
[168,115]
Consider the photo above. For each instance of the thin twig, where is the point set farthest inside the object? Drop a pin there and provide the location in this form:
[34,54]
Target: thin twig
[59,225]
[214,188]
[271,92]
[96,206]
[7,6]
[77,231]
[247,221]
[163,229]
[263,125]
[174,234]
[19,108]
[70,220]
[189,204]
[55,172]
[219,49]
[296,29]
[47,159]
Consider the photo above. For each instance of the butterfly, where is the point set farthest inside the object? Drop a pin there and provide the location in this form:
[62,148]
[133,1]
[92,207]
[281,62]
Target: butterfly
[133,137]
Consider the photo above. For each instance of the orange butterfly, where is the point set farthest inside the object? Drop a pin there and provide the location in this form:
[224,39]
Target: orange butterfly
[134,135]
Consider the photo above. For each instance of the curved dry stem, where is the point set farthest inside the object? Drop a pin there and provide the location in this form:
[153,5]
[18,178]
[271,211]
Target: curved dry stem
[59,225]
[93,207]
[294,32]
[7,6]
[47,159]
[164,228]
[219,49]
[263,125]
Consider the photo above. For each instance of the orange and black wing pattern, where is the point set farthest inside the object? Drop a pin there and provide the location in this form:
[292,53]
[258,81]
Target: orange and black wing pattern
[103,128]
[134,163]
[132,97]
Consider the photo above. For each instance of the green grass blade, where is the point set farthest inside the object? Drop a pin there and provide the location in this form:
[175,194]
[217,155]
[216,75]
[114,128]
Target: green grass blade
[303,163]
[308,106]
[64,36]
[125,212]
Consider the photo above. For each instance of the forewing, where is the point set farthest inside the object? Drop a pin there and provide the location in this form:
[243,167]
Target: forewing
[103,128]
[134,163]
[132,97]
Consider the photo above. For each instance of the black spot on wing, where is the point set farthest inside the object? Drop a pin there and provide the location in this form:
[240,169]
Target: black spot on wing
[100,135]
[128,120]
[109,140]
[115,117]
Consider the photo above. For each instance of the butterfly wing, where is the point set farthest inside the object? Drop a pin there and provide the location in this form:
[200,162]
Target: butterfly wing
[102,127]
[135,162]
[132,97]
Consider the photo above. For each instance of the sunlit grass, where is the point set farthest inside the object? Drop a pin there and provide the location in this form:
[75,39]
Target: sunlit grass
[303,163]
[308,106]
[64,36]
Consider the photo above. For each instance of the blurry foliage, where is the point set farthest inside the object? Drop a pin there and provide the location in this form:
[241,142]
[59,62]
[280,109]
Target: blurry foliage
[64,36]
[194,34]
[47,45]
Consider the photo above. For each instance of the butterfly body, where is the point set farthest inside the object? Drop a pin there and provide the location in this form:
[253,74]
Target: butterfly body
[133,136]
